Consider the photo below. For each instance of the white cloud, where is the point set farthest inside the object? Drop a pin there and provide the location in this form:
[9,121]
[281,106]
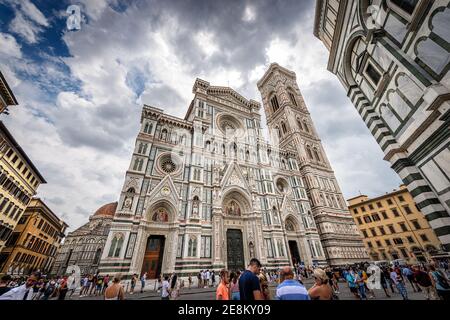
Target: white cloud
[249,14]
[9,46]
[33,13]
[205,41]
[24,28]
[82,140]
[94,9]
[28,22]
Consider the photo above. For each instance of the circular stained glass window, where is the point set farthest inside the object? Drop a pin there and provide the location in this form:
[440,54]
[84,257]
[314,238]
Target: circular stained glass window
[168,165]
[282,185]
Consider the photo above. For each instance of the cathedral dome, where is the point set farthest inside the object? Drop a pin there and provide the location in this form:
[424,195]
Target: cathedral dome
[106,210]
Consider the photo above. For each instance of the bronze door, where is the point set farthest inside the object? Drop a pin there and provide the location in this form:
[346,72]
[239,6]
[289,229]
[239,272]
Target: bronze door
[235,250]
[153,257]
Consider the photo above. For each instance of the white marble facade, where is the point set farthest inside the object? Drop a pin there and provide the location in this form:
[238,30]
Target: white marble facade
[213,188]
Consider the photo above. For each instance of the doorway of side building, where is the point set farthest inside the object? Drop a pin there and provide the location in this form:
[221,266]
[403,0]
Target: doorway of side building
[295,255]
[153,257]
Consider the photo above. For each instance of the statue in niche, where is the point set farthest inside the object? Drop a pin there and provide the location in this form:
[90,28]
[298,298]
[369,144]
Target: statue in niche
[164,134]
[160,215]
[216,174]
[195,205]
[233,209]
[127,203]
[251,248]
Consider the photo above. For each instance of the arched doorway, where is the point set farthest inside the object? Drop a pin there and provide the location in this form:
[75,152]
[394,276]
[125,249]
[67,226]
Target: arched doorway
[235,250]
[153,256]
[159,216]
[235,207]
[291,227]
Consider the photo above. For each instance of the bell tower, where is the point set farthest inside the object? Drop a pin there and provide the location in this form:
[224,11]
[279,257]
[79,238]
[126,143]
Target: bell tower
[290,125]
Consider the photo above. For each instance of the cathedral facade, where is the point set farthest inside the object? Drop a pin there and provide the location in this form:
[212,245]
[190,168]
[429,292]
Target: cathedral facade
[210,192]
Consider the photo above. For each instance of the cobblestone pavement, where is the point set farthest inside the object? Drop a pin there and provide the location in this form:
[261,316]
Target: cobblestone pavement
[209,293]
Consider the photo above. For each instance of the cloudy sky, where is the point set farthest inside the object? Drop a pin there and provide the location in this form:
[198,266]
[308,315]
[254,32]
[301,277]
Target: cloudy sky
[81,92]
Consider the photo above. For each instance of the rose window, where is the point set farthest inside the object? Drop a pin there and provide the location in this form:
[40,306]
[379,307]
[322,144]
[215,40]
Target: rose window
[168,166]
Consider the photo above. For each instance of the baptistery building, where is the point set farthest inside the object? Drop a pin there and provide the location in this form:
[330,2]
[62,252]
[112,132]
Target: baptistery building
[209,191]
[83,247]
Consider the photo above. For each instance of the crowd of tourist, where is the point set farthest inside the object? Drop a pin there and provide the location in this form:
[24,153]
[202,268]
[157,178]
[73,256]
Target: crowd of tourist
[38,286]
[253,283]
[430,280]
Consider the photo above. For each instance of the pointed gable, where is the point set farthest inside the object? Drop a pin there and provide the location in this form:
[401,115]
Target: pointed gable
[287,208]
[234,177]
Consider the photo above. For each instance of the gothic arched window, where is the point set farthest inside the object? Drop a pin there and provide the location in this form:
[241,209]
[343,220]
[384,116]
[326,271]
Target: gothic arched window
[116,245]
[293,100]
[163,134]
[308,150]
[283,125]
[137,164]
[305,125]
[316,154]
[299,124]
[192,247]
[148,127]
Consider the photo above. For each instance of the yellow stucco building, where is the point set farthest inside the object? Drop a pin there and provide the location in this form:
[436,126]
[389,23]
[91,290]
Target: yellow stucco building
[35,240]
[19,180]
[394,228]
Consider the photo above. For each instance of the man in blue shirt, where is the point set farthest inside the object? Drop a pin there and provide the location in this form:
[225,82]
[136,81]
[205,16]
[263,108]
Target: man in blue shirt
[409,274]
[249,287]
[290,289]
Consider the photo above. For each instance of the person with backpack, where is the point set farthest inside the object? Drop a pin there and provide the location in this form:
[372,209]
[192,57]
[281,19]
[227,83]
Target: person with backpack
[98,289]
[351,281]
[440,282]
[359,279]
[423,280]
